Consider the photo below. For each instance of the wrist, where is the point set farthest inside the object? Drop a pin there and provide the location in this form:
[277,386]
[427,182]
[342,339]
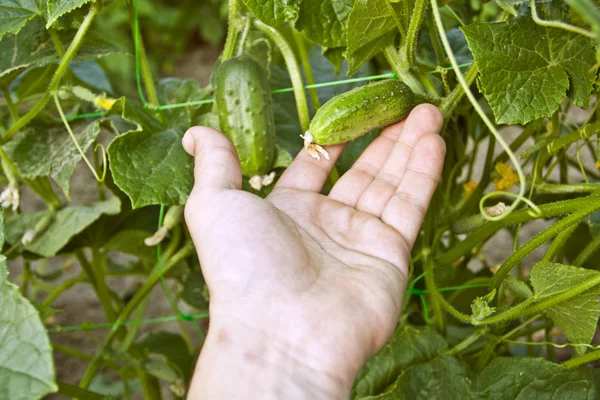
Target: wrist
[238,360]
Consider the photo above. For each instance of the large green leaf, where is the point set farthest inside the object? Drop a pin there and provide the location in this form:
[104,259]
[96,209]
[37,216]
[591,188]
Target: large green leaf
[67,223]
[578,316]
[408,346]
[31,46]
[149,164]
[14,14]
[371,26]
[274,12]
[42,151]
[58,8]
[527,69]
[26,364]
[324,21]
[442,378]
[524,378]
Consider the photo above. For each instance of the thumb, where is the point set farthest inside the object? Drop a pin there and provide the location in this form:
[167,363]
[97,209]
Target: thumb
[216,164]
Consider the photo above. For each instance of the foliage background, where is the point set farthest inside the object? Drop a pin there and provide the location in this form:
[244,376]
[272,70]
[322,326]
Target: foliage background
[87,262]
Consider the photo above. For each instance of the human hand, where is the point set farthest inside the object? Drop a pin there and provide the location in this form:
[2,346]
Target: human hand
[305,288]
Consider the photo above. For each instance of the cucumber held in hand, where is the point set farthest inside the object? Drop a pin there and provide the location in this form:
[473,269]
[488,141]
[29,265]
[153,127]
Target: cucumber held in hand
[356,112]
[243,101]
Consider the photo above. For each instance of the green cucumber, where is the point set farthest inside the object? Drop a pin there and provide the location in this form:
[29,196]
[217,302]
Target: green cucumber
[243,102]
[352,114]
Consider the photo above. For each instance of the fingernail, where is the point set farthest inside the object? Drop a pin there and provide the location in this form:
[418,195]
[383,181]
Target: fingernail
[188,143]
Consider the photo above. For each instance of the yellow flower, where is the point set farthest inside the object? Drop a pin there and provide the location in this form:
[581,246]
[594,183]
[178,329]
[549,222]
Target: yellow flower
[597,164]
[104,102]
[507,178]
[469,188]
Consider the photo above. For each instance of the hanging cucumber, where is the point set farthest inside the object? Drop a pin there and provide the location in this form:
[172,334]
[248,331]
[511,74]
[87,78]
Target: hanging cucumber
[243,101]
[356,112]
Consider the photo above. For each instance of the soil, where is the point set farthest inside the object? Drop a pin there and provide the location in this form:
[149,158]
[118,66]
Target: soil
[79,304]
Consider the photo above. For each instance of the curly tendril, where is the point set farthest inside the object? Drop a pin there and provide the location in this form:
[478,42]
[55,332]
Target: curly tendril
[79,149]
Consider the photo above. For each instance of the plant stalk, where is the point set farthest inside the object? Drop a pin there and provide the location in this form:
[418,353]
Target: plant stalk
[300,43]
[151,281]
[408,49]
[402,71]
[232,30]
[531,306]
[581,360]
[592,247]
[547,234]
[96,275]
[293,69]
[141,58]
[75,392]
[488,228]
[451,101]
[12,108]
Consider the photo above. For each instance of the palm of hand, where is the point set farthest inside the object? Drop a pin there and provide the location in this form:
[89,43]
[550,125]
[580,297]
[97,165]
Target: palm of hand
[325,274]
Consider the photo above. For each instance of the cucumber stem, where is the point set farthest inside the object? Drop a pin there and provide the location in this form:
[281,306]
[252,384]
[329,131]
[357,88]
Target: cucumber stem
[314,96]
[232,30]
[409,46]
[401,70]
[293,69]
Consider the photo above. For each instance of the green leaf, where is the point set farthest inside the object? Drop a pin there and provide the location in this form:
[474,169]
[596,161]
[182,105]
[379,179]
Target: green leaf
[325,72]
[26,364]
[32,81]
[160,370]
[517,287]
[131,241]
[335,56]
[32,46]
[359,56]
[149,164]
[274,12]
[134,113]
[42,151]
[172,347]
[523,378]
[527,69]
[371,26]
[58,8]
[324,21]
[441,378]
[67,223]
[14,14]
[175,90]
[90,73]
[282,158]
[577,316]
[408,346]
[193,291]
